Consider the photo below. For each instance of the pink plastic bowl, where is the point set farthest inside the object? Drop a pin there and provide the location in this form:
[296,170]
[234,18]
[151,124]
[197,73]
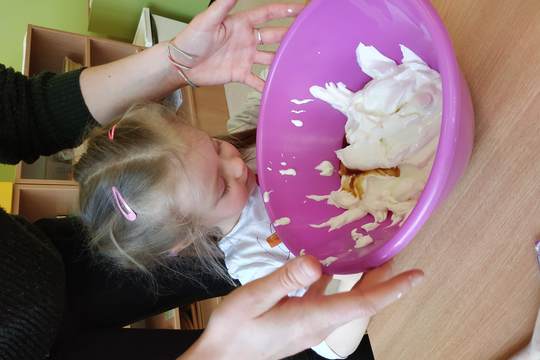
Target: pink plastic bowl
[320,47]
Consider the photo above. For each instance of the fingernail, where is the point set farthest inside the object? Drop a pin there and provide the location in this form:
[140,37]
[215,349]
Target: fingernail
[309,271]
[416,280]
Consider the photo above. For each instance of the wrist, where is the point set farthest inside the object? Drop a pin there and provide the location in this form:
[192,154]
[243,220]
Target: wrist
[182,61]
[204,348]
[169,73]
[179,55]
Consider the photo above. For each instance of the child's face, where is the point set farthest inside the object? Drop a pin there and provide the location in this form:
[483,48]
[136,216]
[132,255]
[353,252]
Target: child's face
[220,180]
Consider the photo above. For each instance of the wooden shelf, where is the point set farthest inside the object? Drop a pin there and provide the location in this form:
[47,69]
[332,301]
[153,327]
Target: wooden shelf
[103,51]
[37,201]
[47,48]
[46,188]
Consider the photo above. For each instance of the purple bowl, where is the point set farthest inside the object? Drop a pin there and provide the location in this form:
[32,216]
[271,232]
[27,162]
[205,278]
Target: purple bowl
[320,47]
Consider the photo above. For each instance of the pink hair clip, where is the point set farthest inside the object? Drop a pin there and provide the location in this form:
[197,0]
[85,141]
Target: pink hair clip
[111,132]
[122,205]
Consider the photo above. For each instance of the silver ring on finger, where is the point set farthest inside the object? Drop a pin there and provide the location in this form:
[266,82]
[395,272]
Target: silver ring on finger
[259,37]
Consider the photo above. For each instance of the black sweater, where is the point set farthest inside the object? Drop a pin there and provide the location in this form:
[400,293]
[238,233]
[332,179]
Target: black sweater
[38,116]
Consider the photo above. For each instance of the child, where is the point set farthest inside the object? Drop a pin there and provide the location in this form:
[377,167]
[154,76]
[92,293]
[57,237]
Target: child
[151,187]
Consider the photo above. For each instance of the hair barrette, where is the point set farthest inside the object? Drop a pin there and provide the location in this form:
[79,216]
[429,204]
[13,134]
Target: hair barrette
[122,205]
[111,132]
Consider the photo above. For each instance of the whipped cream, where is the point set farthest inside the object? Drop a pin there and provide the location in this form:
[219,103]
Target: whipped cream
[266,195]
[329,260]
[370,226]
[360,239]
[301,101]
[282,221]
[393,122]
[288,172]
[395,119]
[318,197]
[380,195]
[325,168]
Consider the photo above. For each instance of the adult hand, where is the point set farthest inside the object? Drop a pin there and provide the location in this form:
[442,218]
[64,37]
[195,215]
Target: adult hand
[225,46]
[259,321]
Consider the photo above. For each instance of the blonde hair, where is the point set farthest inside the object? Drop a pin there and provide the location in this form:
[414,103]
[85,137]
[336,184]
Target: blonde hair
[144,162]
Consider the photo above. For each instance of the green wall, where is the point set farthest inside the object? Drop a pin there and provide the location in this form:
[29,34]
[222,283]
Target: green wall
[119,18]
[68,15]
[7,173]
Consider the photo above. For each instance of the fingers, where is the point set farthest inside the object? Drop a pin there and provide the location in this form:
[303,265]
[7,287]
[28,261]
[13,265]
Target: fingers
[263,57]
[319,286]
[271,35]
[266,13]
[360,303]
[255,298]
[216,13]
[376,276]
[255,82]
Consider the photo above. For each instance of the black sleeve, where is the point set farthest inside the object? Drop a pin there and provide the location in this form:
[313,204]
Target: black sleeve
[40,115]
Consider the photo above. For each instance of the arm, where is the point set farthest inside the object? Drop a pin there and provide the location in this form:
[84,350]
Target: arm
[39,116]
[261,312]
[224,48]
[48,113]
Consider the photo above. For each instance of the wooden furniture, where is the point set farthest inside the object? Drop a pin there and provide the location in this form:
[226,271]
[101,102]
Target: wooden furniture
[46,187]
[481,293]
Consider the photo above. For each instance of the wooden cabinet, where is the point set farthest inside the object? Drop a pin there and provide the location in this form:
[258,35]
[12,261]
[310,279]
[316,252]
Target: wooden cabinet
[46,187]
[47,199]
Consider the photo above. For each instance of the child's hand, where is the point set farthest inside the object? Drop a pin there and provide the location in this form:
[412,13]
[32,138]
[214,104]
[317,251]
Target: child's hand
[259,321]
[226,45]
